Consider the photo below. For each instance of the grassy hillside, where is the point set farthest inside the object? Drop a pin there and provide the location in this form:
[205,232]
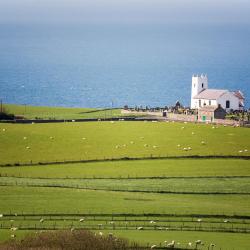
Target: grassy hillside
[77,141]
[39,112]
[171,199]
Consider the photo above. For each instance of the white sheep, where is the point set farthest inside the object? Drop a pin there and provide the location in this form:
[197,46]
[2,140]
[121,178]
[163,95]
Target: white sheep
[178,145]
[101,233]
[245,150]
[41,220]
[171,244]
[4,129]
[153,246]
[189,148]
[72,229]
[139,228]
[203,143]
[84,138]
[81,220]
[24,137]
[13,236]
[131,142]
[199,220]
[13,228]
[240,151]
[27,147]
[152,222]
[145,145]
[1,215]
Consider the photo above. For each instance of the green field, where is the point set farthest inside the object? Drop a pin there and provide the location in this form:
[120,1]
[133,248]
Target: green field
[37,112]
[25,143]
[187,199]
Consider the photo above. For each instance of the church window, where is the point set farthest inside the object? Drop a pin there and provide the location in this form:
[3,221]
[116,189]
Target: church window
[209,102]
[199,103]
[227,104]
[202,85]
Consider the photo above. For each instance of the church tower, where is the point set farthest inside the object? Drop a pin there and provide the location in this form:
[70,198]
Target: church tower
[199,83]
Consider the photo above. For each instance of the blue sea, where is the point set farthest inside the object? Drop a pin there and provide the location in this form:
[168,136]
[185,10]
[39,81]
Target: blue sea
[104,65]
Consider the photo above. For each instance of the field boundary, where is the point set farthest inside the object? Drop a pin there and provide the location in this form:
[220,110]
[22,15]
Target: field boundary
[31,163]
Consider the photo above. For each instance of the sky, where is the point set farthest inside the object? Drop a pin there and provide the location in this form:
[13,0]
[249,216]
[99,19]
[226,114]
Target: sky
[124,11]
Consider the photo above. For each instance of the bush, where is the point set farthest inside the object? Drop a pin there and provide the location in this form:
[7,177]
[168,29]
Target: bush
[65,239]
[5,116]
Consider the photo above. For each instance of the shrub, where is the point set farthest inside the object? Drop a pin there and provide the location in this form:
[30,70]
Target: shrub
[66,239]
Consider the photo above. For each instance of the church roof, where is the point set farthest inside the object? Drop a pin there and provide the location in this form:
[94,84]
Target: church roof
[239,94]
[210,94]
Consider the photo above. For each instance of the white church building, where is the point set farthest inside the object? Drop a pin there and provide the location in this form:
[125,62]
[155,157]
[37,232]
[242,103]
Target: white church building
[202,96]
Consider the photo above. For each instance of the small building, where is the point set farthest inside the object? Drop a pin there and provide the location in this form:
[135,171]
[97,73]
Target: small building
[202,96]
[209,113]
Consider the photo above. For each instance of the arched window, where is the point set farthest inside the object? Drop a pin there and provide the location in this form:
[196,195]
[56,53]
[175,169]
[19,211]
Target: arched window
[227,104]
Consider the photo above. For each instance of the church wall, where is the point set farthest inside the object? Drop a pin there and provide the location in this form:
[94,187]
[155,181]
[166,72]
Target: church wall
[234,101]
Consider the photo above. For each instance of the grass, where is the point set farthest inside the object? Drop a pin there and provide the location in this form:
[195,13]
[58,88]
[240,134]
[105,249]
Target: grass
[180,185]
[228,241]
[102,140]
[39,112]
[76,141]
[140,168]
[58,200]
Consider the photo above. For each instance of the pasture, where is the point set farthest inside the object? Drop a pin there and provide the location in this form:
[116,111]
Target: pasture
[77,175]
[34,143]
[39,112]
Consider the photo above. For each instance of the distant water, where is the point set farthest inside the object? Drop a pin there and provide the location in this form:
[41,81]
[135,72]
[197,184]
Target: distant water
[95,65]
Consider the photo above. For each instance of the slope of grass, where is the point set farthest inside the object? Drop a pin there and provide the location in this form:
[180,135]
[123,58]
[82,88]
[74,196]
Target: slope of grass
[39,112]
[75,141]
[180,185]
[140,168]
[58,200]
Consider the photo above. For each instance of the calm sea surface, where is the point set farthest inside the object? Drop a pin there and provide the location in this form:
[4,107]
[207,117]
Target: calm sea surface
[94,65]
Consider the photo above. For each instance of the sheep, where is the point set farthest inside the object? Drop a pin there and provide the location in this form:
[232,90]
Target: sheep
[72,229]
[203,143]
[124,145]
[199,220]
[178,145]
[117,146]
[245,150]
[111,222]
[152,222]
[198,242]
[84,138]
[171,244]
[13,236]
[153,246]
[1,215]
[189,244]
[51,137]
[185,149]
[41,220]
[73,120]
[145,145]
[192,133]
[27,147]
[13,228]
[101,233]
[4,129]
[159,228]
[112,122]
[155,146]
[189,148]
[139,228]
[240,151]
[81,220]
[24,137]
[226,221]
[131,142]
[154,121]
[182,127]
